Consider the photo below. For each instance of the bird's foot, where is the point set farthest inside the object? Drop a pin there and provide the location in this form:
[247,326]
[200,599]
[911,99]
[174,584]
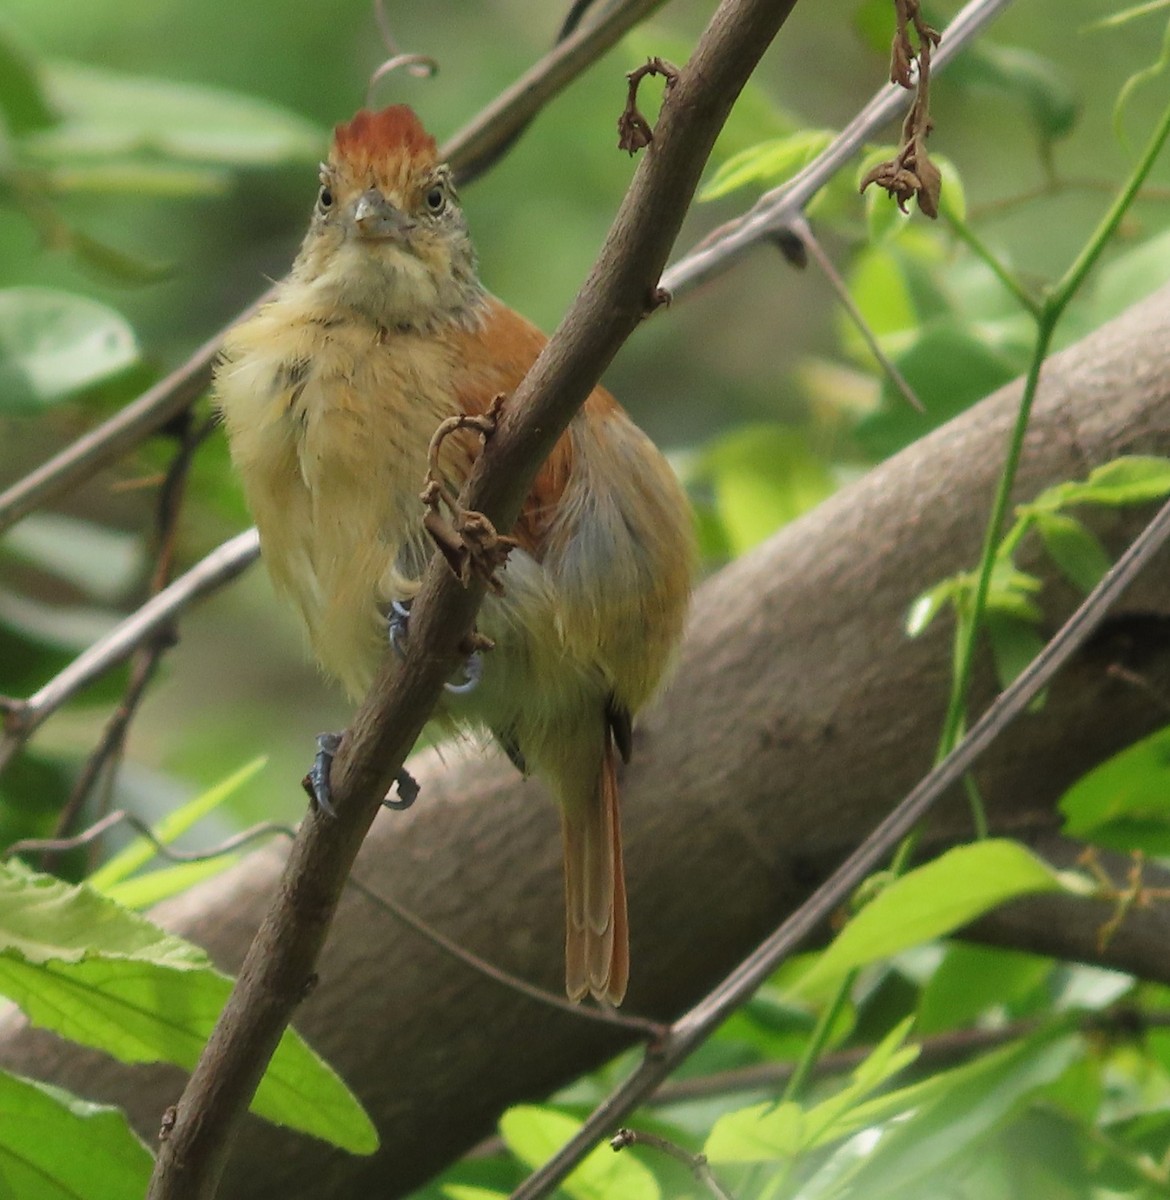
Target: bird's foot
[397,629]
[317,784]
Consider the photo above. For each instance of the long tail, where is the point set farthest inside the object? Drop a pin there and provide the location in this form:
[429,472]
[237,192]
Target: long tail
[597,940]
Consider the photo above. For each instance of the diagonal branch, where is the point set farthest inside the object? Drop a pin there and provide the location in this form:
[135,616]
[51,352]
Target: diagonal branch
[614,299]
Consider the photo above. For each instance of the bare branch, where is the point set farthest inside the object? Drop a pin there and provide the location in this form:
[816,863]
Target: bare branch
[152,620]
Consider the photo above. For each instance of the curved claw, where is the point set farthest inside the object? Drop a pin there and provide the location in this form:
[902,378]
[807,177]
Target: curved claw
[408,790]
[472,674]
[316,782]
[397,624]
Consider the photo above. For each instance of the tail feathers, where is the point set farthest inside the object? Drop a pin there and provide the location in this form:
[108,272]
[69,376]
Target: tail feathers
[597,945]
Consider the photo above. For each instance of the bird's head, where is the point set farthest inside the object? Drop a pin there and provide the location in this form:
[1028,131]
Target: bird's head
[388,237]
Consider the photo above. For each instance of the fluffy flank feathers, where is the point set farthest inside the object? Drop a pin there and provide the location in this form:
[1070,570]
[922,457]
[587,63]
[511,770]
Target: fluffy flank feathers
[390,132]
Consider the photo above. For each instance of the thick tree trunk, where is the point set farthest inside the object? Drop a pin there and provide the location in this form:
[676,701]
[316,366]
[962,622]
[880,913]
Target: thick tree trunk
[799,714]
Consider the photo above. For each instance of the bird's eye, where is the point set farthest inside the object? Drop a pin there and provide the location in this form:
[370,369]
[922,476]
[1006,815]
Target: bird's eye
[325,199]
[436,199]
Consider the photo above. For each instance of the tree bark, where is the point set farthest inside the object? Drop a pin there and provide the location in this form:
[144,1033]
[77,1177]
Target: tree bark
[799,714]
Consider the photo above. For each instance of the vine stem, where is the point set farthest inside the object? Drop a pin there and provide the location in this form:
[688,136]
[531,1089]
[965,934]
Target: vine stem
[1047,317]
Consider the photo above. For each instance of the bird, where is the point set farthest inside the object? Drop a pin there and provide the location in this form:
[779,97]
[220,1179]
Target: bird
[330,395]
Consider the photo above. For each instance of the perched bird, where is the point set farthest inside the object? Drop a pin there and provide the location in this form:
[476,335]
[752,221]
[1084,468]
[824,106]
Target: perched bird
[330,395]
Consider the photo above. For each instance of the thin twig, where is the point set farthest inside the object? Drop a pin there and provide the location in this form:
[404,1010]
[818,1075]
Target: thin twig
[61,845]
[690,1030]
[22,718]
[643,1026]
[695,1163]
[146,656]
[801,229]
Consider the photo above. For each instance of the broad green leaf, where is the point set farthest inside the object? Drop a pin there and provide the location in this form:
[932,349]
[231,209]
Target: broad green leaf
[1124,802]
[767,164]
[534,1134]
[929,902]
[760,1133]
[1133,479]
[54,1146]
[973,980]
[92,972]
[762,477]
[880,288]
[44,920]
[1014,644]
[53,344]
[1037,83]
[144,891]
[105,113]
[768,1132]
[174,825]
[23,104]
[949,366]
[1076,550]
[956,1111]
[466,1191]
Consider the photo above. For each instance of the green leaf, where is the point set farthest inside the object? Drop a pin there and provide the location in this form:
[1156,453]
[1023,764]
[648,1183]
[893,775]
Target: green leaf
[929,902]
[768,163]
[762,476]
[1032,81]
[105,114]
[144,891]
[174,825]
[1076,550]
[949,366]
[928,605]
[1010,593]
[1124,802]
[769,1132]
[92,972]
[1133,479]
[534,1134]
[1014,644]
[759,1133]
[974,980]
[54,1146]
[53,344]
[23,103]
[956,1110]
